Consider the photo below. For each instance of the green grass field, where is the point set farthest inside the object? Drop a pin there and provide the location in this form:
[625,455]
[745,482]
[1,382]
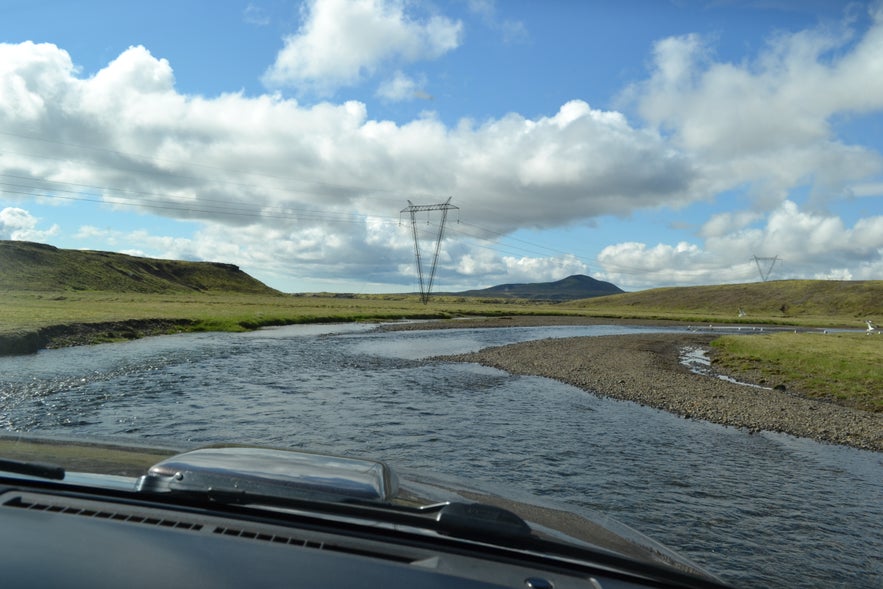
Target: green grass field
[22,311]
[845,368]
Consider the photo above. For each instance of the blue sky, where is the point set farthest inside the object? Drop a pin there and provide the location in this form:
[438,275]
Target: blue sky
[644,142]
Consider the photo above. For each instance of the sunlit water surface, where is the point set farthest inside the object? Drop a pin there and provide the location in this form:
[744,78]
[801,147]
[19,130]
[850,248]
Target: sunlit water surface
[764,510]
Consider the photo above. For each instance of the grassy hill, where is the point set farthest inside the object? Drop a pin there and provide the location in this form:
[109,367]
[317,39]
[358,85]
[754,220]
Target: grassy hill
[26,266]
[820,302]
[571,288]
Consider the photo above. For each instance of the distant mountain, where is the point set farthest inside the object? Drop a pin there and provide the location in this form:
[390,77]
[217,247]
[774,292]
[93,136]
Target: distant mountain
[571,288]
[39,267]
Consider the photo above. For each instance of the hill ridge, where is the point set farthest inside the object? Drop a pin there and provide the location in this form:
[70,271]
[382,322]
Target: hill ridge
[776,298]
[26,265]
[574,287]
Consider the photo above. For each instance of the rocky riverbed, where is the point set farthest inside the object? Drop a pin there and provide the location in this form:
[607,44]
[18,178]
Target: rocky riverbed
[647,369]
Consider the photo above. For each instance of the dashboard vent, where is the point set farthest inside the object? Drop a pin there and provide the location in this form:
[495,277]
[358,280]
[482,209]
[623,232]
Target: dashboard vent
[146,516]
[72,508]
[284,539]
[277,538]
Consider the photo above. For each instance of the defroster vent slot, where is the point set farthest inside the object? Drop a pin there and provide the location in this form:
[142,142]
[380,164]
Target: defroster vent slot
[84,509]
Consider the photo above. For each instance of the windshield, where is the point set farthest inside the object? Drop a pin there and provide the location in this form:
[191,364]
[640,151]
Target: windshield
[624,258]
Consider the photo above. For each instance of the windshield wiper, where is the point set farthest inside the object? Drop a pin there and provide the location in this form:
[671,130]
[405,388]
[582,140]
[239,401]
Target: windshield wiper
[476,522]
[42,470]
[471,521]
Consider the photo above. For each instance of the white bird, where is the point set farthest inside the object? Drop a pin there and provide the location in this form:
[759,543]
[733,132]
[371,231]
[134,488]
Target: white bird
[871,327]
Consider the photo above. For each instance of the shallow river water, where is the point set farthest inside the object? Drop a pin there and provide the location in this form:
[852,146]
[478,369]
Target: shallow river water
[761,510]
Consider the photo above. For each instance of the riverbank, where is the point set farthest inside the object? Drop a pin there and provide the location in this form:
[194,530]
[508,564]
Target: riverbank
[647,369]
[642,368]
[85,334]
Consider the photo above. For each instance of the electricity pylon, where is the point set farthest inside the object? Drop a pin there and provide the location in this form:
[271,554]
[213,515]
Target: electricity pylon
[426,288]
[764,276]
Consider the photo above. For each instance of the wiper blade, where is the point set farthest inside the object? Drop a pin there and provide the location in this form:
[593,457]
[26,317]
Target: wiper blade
[42,470]
[471,521]
[476,522]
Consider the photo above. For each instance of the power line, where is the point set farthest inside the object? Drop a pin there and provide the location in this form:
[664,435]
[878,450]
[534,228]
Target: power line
[513,238]
[533,248]
[224,208]
[162,201]
[190,163]
[69,191]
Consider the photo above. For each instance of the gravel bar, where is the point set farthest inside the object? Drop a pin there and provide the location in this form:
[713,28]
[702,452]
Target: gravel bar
[647,369]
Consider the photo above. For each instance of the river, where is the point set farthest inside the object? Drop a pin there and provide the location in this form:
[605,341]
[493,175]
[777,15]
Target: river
[761,510]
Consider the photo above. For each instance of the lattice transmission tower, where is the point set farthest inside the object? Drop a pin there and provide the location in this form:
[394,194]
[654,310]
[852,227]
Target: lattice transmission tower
[765,274]
[426,286]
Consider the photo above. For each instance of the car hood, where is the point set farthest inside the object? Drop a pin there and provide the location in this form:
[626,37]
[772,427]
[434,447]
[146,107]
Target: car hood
[277,477]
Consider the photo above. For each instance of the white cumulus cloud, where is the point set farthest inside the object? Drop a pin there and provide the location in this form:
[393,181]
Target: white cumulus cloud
[807,245]
[343,41]
[767,121]
[19,225]
[403,87]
